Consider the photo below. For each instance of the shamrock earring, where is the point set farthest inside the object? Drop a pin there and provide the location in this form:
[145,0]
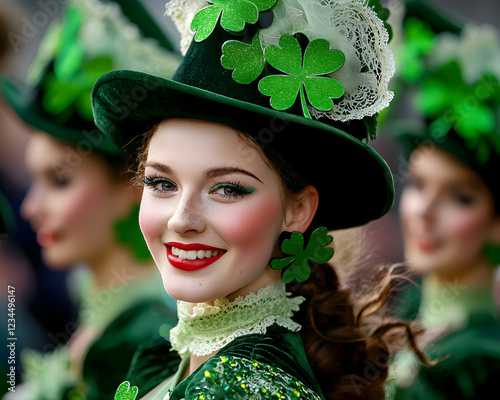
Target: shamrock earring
[297,258]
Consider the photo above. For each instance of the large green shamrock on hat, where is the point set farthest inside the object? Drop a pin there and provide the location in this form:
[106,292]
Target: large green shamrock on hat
[303,72]
[234,14]
[445,97]
[298,260]
[125,392]
[68,86]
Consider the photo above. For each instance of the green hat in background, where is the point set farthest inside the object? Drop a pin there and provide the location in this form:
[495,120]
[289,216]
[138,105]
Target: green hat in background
[92,37]
[452,82]
[305,78]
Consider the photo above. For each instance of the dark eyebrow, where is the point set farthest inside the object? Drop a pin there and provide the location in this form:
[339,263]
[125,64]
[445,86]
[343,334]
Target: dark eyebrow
[214,172]
[209,173]
[160,167]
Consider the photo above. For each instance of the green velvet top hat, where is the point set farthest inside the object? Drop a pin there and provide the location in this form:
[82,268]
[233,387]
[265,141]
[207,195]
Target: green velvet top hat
[457,96]
[92,37]
[306,78]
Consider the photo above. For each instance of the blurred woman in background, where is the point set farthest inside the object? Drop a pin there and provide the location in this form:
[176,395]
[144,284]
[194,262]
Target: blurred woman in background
[81,204]
[450,213]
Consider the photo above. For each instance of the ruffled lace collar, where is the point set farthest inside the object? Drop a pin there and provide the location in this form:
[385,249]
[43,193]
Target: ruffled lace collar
[209,328]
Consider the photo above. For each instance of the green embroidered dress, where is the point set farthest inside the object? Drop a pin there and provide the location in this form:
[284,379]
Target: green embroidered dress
[467,348]
[259,353]
[119,319]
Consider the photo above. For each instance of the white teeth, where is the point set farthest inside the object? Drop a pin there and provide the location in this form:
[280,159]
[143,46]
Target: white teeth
[200,254]
[195,254]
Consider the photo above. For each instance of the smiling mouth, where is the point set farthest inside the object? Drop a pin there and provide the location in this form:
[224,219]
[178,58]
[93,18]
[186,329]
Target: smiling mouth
[195,254]
[192,257]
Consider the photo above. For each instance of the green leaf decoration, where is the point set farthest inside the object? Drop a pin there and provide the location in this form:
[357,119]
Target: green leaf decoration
[234,14]
[47,50]
[72,53]
[446,98]
[128,232]
[303,76]
[125,392]
[72,94]
[69,61]
[247,60]
[419,42]
[315,251]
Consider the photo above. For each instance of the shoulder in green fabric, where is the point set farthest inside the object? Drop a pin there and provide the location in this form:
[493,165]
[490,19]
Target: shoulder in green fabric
[270,366]
[469,366]
[109,358]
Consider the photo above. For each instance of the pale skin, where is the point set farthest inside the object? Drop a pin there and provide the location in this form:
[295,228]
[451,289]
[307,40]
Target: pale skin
[448,217]
[205,186]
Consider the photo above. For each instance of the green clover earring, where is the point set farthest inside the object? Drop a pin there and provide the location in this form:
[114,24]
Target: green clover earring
[297,258]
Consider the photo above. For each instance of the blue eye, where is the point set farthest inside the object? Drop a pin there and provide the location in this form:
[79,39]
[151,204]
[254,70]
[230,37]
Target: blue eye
[229,190]
[159,184]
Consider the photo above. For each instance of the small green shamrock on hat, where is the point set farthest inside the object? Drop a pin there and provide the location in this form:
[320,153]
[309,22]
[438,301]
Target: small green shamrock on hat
[125,392]
[298,263]
[234,14]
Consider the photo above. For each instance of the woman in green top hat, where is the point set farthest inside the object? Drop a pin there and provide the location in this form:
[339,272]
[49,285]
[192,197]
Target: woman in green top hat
[259,136]
[450,213]
[82,207]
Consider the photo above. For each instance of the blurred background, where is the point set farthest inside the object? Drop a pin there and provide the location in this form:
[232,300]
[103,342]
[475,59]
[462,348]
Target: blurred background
[44,301]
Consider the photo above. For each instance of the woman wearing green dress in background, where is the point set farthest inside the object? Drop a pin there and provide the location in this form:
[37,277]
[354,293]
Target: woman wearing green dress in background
[81,203]
[450,212]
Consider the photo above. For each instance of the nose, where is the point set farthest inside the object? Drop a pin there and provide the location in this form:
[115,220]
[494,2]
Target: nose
[31,204]
[188,216]
[425,207]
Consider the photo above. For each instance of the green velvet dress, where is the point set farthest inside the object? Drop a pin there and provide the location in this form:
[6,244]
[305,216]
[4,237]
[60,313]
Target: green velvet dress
[259,353]
[120,318]
[466,349]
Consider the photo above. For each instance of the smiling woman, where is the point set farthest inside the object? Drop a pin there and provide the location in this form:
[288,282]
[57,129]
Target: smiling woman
[232,211]
[238,195]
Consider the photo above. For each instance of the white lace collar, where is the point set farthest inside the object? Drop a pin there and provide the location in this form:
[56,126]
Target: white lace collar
[210,328]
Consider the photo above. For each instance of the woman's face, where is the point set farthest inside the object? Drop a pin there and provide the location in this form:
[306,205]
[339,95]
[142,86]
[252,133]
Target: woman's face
[211,212]
[448,214]
[73,202]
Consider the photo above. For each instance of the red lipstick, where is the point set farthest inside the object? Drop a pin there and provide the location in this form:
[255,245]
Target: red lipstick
[45,237]
[427,246]
[190,265]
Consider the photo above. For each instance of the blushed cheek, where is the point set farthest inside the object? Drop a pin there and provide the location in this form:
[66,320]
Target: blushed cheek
[149,220]
[466,229]
[253,228]
[81,206]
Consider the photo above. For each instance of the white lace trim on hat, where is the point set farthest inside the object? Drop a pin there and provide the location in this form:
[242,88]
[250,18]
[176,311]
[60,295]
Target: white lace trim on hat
[352,27]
